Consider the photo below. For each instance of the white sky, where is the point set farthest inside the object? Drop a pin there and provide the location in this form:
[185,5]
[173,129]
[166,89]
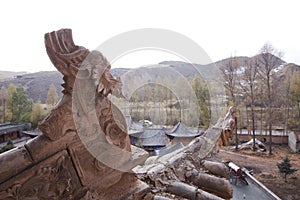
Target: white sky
[222,28]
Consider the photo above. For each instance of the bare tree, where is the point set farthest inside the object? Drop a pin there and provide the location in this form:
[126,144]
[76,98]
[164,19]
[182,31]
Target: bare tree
[284,85]
[229,70]
[249,85]
[268,61]
[52,96]
[294,99]
[3,93]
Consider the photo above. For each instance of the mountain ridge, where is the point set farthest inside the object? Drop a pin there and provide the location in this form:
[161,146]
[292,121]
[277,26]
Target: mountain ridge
[37,84]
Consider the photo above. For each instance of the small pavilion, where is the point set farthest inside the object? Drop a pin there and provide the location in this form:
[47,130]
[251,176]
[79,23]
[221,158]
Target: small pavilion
[180,133]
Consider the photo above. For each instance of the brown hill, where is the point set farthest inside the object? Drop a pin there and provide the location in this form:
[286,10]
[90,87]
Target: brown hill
[37,84]
[6,75]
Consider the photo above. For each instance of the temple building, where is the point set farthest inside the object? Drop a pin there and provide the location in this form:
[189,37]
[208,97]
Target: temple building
[180,133]
[150,139]
[11,131]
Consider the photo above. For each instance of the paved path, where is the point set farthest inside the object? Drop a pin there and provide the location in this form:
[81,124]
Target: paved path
[249,192]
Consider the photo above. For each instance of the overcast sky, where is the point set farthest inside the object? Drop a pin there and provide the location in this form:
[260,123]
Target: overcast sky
[221,28]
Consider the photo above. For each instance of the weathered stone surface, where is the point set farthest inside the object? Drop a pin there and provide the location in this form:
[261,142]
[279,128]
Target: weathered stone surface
[42,147]
[228,130]
[13,162]
[89,167]
[53,178]
[127,188]
[59,121]
[157,197]
[218,186]
[138,155]
[190,192]
[140,191]
[216,168]
[183,190]
[201,194]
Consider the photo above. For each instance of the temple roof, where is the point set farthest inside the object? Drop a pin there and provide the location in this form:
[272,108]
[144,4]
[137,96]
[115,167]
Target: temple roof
[12,127]
[180,130]
[152,137]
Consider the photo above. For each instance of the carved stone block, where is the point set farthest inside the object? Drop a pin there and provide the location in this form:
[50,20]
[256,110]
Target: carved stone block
[14,161]
[127,188]
[53,178]
[42,147]
[89,167]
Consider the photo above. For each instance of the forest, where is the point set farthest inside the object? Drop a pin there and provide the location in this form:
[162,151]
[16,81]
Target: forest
[16,106]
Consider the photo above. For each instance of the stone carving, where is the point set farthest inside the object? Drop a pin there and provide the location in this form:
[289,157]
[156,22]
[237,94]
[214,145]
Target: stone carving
[60,164]
[85,153]
[228,131]
[231,123]
[91,71]
[51,180]
[89,167]
[59,121]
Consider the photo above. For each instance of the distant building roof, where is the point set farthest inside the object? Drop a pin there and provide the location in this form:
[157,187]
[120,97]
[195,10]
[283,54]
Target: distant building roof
[152,137]
[11,127]
[180,130]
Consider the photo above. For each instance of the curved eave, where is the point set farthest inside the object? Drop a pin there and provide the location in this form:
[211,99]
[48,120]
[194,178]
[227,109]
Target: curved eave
[182,135]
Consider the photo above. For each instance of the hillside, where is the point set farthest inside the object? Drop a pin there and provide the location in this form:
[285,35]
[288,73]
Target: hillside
[7,75]
[37,84]
[287,71]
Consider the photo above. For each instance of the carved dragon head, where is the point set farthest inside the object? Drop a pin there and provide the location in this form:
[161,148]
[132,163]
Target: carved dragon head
[75,63]
[69,59]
